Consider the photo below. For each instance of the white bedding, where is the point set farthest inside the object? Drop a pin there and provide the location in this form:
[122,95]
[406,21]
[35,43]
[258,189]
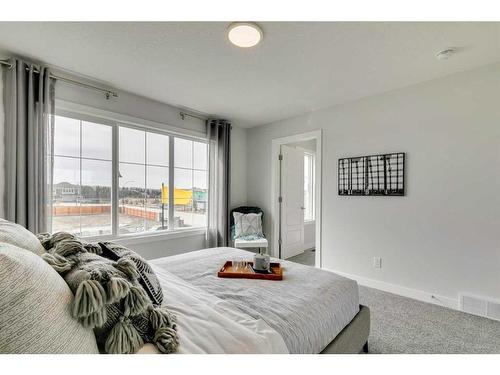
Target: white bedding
[207,324]
[308,308]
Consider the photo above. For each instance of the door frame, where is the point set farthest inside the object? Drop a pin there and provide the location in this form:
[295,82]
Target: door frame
[275,190]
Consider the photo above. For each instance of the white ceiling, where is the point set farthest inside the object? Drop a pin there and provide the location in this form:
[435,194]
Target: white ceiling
[299,66]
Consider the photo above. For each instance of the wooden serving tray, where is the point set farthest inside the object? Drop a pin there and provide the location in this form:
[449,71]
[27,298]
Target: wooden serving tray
[248,273]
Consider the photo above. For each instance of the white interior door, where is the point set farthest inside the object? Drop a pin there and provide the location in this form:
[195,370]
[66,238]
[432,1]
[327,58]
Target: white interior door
[292,206]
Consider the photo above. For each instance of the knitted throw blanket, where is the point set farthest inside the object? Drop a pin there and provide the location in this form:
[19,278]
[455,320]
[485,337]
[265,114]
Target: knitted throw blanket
[109,297]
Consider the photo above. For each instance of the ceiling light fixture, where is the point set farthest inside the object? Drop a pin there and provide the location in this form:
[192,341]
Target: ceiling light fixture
[244,34]
[445,54]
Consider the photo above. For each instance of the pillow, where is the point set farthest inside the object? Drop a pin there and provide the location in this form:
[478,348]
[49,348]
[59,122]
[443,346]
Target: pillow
[109,298]
[35,308]
[19,236]
[147,277]
[247,225]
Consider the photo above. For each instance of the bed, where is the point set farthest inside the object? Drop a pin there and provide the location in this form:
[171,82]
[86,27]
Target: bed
[310,311]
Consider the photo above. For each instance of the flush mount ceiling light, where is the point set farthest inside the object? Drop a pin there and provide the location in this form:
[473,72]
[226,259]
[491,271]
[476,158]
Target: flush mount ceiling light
[445,54]
[244,34]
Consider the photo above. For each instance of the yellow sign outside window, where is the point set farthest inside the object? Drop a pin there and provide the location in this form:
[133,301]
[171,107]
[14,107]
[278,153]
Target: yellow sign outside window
[181,197]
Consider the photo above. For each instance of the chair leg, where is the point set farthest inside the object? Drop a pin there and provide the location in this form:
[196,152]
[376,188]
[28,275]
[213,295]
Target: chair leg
[365,347]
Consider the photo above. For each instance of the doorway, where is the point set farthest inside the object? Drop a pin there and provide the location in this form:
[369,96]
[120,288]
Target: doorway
[296,196]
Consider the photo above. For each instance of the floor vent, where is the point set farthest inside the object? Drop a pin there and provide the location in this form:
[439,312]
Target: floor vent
[480,306]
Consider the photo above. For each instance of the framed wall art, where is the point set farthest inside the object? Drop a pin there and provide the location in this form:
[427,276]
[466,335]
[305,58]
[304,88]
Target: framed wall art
[381,175]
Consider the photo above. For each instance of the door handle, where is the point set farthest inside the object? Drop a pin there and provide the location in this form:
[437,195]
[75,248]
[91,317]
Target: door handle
[302,208]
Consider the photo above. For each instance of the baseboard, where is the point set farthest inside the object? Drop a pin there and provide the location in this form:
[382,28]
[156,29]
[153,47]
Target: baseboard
[309,246]
[419,295]
[294,254]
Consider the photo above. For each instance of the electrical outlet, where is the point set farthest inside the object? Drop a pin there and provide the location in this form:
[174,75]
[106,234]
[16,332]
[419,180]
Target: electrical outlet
[377,262]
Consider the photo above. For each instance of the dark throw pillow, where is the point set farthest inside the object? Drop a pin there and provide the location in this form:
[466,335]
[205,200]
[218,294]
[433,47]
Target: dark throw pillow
[147,277]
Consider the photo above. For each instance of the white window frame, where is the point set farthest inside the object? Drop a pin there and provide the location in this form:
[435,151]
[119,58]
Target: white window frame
[115,120]
[312,188]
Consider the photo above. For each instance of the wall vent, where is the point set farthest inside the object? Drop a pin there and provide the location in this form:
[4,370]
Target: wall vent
[480,306]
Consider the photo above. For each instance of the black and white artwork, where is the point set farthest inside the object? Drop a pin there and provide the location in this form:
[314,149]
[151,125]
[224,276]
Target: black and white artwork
[372,175]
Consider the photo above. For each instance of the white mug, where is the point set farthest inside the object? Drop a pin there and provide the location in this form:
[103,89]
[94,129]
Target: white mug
[261,262]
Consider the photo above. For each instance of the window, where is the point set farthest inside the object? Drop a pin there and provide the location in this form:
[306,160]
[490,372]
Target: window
[143,173]
[309,178]
[87,201]
[191,183]
[81,190]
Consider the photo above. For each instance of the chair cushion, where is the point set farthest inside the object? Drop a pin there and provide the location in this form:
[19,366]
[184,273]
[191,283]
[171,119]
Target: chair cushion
[35,308]
[247,225]
[17,235]
[241,243]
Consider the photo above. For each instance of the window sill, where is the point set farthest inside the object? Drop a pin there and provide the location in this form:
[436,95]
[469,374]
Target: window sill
[135,238]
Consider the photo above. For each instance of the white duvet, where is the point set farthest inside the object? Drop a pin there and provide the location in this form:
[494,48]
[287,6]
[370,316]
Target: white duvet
[207,324]
[308,308]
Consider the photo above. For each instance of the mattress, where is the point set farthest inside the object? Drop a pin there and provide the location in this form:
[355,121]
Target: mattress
[308,308]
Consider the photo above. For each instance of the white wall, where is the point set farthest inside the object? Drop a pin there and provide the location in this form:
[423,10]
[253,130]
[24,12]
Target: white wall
[157,247]
[238,167]
[308,145]
[309,235]
[128,104]
[443,237]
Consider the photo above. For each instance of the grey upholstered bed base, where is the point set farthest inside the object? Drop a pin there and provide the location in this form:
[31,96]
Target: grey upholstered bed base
[353,339]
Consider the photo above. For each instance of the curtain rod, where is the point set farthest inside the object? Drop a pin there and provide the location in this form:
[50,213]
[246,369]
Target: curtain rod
[107,93]
[184,114]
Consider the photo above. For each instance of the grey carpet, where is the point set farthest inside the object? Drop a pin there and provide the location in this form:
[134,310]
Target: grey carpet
[404,325]
[307,258]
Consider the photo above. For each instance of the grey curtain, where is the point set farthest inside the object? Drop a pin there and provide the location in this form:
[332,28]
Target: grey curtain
[219,149]
[2,149]
[29,109]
